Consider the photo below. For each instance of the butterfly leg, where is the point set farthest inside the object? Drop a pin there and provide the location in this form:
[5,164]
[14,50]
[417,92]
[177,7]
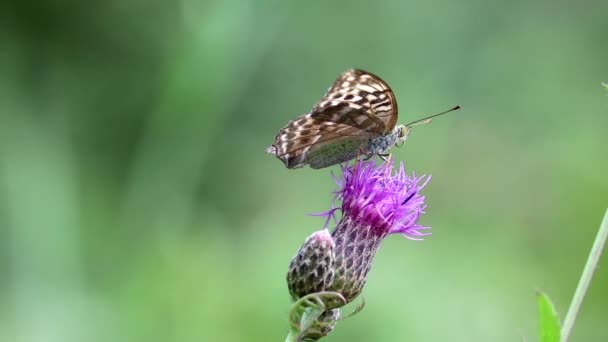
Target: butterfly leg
[384,156]
[367,154]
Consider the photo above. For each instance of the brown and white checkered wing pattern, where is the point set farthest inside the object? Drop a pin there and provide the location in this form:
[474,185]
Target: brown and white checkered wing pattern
[361,99]
[359,106]
[294,141]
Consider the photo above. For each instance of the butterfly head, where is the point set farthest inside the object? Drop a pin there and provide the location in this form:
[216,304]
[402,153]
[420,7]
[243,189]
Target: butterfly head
[402,133]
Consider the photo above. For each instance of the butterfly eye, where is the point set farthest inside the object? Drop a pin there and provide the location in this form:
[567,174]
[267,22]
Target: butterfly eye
[401,132]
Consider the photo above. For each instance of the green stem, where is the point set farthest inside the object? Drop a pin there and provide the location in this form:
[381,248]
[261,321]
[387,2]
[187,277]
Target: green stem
[306,310]
[583,284]
[292,336]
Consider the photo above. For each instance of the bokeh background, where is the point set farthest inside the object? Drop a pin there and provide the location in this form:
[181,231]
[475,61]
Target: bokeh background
[137,203]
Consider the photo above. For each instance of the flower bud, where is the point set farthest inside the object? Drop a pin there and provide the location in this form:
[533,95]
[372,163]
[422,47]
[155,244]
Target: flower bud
[311,269]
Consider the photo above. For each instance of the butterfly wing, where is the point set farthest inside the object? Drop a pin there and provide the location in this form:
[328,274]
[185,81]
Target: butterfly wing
[320,143]
[358,93]
[357,107]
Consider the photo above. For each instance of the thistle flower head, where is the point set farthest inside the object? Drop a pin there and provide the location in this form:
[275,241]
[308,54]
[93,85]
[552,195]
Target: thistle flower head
[375,201]
[388,200]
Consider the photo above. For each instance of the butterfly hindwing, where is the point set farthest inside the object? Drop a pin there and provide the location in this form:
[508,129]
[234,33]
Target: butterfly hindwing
[306,137]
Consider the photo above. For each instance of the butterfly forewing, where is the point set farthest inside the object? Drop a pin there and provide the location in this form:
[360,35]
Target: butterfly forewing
[359,93]
[358,106]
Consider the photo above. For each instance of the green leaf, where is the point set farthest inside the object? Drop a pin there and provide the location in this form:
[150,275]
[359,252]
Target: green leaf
[605,85]
[548,321]
[305,312]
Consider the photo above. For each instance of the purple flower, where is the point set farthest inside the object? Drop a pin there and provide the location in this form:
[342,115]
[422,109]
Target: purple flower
[378,196]
[375,201]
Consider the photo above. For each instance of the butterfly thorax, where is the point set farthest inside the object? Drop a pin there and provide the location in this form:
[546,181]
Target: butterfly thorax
[382,144]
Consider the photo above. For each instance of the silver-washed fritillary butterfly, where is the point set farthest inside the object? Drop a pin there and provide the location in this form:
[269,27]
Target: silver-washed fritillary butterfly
[357,116]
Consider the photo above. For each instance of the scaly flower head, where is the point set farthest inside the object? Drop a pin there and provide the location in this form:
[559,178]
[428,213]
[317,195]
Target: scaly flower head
[375,201]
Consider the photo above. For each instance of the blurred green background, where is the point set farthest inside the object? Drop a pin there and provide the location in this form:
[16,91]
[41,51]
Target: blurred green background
[137,203]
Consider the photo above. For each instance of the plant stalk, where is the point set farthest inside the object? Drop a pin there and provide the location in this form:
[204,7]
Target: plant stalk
[585,281]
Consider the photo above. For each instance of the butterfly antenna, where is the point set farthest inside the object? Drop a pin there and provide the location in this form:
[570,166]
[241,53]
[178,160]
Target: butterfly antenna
[430,118]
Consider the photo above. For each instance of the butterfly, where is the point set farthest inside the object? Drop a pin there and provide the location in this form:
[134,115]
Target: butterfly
[357,116]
